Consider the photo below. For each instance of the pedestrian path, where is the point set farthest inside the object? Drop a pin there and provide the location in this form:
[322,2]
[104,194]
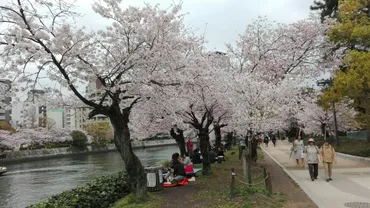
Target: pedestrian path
[350,186]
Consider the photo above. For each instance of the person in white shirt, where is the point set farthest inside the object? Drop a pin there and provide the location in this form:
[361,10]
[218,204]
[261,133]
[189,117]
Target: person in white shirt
[312,158]
[298,147]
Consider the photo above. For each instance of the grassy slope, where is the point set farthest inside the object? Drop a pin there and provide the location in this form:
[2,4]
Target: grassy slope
[214,190]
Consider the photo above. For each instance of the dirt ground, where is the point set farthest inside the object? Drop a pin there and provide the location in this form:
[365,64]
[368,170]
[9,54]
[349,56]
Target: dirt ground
[282,183]
[180,197]
[283,186]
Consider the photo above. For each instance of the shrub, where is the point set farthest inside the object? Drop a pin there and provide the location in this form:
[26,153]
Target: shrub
[101,132]
[6,127]
[165,164]
[100,193]
[79,139]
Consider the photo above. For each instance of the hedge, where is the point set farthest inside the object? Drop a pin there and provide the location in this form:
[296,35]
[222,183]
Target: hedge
[6,127]
[99,193]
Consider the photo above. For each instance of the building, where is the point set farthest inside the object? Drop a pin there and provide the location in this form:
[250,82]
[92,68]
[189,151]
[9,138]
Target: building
[5,113]
[56,118]
[17,114]
[70,119]
[34,113]
[77,117]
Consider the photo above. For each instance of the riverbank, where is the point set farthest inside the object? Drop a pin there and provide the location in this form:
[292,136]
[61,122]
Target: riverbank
[214,190]
[38,154]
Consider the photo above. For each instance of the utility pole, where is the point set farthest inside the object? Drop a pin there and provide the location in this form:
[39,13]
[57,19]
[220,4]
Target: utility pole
[329,83]
[335,124]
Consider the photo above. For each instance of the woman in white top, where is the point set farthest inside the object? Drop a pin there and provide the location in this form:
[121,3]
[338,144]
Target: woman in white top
[298,148]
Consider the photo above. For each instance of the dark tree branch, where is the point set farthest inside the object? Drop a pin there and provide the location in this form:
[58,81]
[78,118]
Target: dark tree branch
[54,59]
[164,84]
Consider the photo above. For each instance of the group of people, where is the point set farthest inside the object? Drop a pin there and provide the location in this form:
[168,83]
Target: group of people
[326,154]
[267,139]
[178,168]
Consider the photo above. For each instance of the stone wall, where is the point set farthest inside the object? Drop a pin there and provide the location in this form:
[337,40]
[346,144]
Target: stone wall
[27,155]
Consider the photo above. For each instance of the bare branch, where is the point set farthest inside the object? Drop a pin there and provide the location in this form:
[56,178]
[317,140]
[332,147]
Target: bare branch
[164,84]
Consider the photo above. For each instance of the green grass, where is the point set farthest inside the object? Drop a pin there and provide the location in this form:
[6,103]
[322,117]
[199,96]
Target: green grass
[349,146]
[216,188]
[130,201]
[354,147]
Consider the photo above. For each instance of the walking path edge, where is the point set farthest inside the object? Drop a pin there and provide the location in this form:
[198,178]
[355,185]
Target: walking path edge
[353,157]
[307,191]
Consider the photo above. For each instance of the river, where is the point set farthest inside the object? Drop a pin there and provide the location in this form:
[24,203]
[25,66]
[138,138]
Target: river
[31,182]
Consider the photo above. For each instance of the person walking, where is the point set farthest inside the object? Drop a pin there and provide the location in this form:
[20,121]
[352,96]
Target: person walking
[273,139]
[312,157]
[328,157]
[297,148]
[266,141]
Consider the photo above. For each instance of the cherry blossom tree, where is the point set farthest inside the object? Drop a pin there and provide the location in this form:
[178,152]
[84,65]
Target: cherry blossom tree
[33,138]
[198,102]
[142,51]
[317,121]
[269,62]
[260,106]
[276,51]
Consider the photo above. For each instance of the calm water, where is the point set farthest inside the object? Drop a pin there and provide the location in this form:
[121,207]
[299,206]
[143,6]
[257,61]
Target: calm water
[32,182]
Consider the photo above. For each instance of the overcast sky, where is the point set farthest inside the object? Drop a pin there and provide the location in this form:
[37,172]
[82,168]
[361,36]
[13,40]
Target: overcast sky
[225,19]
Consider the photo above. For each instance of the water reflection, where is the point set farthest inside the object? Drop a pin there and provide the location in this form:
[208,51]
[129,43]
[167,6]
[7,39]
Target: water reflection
[31,182]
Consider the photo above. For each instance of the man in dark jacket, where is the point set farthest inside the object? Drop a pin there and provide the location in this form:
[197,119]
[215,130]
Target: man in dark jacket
[178,135]
[178,172]
[273,139]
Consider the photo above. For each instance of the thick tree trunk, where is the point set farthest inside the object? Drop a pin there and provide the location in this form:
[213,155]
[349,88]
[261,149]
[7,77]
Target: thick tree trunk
[134,168]
[254,149]
[204,148]
[218,137]
[182,148]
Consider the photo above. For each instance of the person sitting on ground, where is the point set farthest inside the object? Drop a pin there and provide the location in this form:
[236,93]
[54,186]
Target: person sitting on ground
[186,160]
[212,156]
[220,154]
[178,173]
[174,158]
[196,157]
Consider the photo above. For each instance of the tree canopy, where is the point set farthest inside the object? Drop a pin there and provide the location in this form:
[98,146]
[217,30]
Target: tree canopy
[352,31]
[328,8]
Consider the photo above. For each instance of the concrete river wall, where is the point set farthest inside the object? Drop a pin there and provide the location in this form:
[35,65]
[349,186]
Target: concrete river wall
[37,154]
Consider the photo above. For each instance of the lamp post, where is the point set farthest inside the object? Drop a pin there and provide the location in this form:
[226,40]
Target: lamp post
[329,83]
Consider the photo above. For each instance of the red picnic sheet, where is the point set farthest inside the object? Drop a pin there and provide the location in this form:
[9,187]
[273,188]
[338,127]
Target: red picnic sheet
[181,183]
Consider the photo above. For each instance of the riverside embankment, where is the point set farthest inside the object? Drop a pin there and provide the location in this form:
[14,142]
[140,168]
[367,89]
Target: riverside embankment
[30,182]
[37,154]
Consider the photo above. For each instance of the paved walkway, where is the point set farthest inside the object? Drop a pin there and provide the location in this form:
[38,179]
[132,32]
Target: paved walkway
[351,179]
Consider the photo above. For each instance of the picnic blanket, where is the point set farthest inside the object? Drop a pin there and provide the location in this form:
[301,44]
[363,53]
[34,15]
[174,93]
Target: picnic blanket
[181,183]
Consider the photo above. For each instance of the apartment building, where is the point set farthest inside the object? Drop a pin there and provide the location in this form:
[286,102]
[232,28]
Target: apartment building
[5,101]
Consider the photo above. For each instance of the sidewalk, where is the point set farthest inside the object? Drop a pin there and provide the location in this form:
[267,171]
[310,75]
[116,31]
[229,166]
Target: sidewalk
[351,180]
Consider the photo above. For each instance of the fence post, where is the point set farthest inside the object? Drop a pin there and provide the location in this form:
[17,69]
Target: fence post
[232,185]
[268,183]
[240,152]
[244,159]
